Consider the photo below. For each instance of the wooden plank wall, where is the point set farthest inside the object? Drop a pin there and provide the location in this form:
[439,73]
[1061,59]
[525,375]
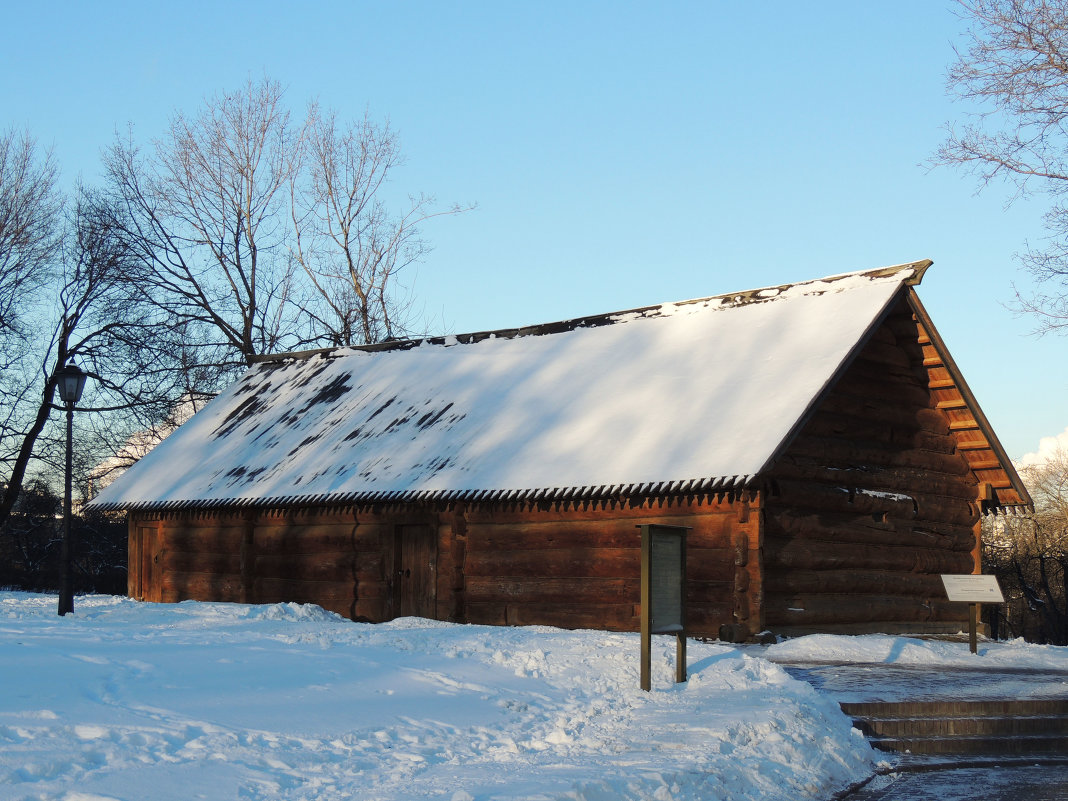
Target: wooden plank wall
[580,567]
[871,502]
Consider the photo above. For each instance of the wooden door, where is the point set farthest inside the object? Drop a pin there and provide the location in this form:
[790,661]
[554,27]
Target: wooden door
[146,586]
[415,571]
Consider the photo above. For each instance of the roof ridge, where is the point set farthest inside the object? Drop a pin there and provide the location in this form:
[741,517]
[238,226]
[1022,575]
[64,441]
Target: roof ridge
[757,295]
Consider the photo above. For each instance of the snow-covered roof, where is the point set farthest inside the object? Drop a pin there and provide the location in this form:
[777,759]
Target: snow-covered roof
[693,395]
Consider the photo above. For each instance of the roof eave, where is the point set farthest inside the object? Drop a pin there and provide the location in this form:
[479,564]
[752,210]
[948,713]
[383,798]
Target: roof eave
[968,396]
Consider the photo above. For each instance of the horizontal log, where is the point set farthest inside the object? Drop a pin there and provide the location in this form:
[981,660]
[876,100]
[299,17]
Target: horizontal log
[171,561]
[322,567]
[797,554]
[879,354]
[884,335]
[861,529]
[856,582]
[853,461]
[486,614]
[611,563]
[553,590]
[314,538]
[561,562]
[201,587]
[274,590]
[856,384]
[903,326]
[900,416]
[842,498]
[549,590]
[842,452]
[613,617]
[367,611]
[676,513]
[205,538]
[798,495]
[705,532]
[809,610]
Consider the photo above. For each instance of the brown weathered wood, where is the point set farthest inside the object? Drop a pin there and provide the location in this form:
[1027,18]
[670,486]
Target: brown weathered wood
[487,614]
[863,529]
[322,567]
[585,590]
[869,390]
[705,531]
[274,590]
[176,586]
[799,554]
[916,506]
[199,562]
[816,609]
[316,538]
[613,617]
[837,459]
[858,582]
[205,537]
[843,498]
[817,457]
[563,562]
[133,550]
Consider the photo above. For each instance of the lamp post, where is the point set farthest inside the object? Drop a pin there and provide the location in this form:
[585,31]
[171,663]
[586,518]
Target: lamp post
[70,380]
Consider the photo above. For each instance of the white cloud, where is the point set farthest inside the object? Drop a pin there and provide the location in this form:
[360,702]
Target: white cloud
[1048,449]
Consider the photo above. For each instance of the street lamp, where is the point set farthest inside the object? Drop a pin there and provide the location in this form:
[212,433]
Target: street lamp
[70,381]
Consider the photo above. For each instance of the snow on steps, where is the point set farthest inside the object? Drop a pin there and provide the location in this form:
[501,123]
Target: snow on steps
[964,727]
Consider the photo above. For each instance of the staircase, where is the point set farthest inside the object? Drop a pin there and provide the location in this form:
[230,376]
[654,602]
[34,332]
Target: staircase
[964,727]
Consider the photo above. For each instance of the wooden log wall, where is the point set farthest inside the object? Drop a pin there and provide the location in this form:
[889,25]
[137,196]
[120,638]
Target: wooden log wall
[573,567]
[871,502]
[580,567]
[340,560]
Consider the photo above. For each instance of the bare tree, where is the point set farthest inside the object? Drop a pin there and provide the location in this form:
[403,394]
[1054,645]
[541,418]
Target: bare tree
[1029,554]
[1015,73]
[29,210]
[101,321]
[206,213]
[351,248]
[262,234]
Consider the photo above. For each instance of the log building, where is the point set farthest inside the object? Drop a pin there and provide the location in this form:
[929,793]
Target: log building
[817,438]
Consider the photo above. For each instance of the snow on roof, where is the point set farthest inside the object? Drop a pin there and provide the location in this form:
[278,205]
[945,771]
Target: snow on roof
[691,393]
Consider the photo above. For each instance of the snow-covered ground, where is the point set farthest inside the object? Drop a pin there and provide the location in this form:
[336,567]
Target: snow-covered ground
[134,701]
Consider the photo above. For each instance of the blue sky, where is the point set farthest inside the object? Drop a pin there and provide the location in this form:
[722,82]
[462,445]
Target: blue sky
[621,154]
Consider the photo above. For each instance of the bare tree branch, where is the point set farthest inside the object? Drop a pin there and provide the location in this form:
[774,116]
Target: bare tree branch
[1014,72]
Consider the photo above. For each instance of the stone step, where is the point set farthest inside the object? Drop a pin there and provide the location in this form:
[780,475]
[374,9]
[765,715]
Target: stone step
[981,708]
[964,727]
[1036,744]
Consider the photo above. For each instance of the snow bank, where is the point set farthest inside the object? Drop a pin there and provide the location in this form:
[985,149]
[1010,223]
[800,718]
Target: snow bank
[907,651]
[128,701]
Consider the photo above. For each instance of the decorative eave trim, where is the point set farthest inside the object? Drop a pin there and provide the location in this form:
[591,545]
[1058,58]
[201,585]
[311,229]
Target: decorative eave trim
[615,492]
[968,396]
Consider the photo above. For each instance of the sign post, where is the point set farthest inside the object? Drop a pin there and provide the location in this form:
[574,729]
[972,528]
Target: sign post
[663,594]
[973,590]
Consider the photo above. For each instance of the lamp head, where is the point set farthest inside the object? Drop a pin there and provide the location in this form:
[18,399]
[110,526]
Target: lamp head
[70,382]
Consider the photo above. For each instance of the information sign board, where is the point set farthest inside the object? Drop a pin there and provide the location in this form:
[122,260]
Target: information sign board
[663,588]
[973,589]
[667,574]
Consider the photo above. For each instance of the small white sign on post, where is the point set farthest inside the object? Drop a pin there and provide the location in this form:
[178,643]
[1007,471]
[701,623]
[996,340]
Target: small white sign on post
[973,590]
